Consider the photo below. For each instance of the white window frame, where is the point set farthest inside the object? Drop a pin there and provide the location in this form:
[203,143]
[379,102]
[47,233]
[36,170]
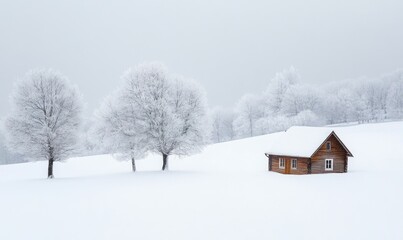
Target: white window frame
[282,166]
[296,163]
[331,164]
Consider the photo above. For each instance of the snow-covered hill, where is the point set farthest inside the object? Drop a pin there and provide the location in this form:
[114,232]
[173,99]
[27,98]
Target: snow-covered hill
[225,192]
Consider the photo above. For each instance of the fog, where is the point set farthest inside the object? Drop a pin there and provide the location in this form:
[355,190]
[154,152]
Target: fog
[230,47]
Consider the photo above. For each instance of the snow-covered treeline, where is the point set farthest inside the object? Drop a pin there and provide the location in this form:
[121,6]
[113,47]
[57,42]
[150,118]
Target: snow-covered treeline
[6,156]
[287,102]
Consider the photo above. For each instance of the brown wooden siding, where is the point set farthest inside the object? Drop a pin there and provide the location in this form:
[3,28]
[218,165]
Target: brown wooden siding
[337,153]
[302,165]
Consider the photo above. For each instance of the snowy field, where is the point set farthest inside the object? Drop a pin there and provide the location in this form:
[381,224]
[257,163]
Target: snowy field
[225,192]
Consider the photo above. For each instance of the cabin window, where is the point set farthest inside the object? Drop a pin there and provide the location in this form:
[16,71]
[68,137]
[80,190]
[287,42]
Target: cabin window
[328,145]
[281,163]
[328,164]
[294,163]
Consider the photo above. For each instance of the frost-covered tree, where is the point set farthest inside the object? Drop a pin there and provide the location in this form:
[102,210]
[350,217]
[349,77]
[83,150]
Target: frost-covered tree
[382,90]
[333,110]
[372,93]
[171,109]
[263,125]
[306,118]
[395,99]
[276,123]
[340,106]
[300,98]
[248,111]
[89,140]
[222,122]
[7,157]
[359,100]
[217,125]
[255,112]
[278,87]
[45,118]
[120,128]
[228,119]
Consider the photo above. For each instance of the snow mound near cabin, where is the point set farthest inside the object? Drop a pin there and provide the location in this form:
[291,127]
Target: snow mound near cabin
[225,192]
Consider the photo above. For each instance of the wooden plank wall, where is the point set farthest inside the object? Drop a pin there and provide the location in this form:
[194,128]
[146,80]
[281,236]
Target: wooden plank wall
[302,165]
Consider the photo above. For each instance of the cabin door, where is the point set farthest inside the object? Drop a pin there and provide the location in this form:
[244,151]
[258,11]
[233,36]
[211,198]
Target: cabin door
[287,166]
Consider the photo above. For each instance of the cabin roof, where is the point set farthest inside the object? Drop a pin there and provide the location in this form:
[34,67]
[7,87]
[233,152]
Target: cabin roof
[302,141]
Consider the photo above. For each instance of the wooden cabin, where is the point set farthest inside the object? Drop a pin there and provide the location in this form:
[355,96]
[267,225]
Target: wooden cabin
[308,150]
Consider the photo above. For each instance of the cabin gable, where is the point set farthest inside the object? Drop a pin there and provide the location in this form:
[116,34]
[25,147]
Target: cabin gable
[337,153]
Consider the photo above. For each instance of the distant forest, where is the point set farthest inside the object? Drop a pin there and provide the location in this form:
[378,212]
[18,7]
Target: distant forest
[286,102]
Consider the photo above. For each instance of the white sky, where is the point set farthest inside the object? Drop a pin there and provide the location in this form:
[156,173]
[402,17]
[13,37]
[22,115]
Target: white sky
[230,47]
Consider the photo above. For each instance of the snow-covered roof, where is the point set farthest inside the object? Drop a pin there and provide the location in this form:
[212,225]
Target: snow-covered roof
[299,141]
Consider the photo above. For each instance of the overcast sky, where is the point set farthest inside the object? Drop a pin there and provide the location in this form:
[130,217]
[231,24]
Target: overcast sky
[230,47]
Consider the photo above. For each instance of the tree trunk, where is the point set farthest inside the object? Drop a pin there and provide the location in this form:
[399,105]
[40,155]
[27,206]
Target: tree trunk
[164,162]
[133,165]
[50,168]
